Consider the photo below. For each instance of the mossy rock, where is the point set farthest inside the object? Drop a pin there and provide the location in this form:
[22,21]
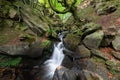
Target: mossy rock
[93,40]
[89,28]
[106,7]
[71,41]
[46,43]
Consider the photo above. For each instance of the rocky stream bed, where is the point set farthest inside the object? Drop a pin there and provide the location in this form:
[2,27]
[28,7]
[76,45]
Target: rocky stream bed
[90,54]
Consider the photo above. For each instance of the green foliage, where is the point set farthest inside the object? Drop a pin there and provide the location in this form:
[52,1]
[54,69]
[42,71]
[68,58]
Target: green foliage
[59,6]
[46,43]
[7,61]
[65,16]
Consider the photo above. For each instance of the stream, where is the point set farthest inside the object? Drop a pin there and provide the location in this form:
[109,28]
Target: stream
[55,60]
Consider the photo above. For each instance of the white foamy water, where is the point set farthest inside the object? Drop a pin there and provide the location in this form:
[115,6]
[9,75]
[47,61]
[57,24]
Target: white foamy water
[55,61]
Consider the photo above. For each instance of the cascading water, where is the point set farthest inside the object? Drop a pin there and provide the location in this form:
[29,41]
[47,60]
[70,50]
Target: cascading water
[55,60]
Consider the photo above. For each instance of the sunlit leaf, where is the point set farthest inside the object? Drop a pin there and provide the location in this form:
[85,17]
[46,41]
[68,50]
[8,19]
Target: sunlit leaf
[78,2]
[65,16]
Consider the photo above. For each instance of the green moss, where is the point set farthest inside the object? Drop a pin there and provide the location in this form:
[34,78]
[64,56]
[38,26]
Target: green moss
[46,43]
[72,41]
[8,61]
[99,60]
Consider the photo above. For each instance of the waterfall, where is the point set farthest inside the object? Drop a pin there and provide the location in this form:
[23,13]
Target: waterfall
[55,60]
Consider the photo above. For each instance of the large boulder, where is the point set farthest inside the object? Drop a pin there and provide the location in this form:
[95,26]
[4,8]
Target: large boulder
[71,41]
[93,40]
[93,66]
[63,73]
[89,28]
[82,52]
[23,48]
[104,7]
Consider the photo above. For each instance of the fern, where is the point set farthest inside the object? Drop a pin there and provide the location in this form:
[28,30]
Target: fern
[7,61]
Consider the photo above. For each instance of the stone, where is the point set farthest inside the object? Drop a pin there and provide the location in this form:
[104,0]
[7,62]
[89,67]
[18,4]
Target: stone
[103,8]
[91,65]
[99,54]
[109,36]
[67,62]
[32,19]
[63,73]
[90,28]
[15,49]
[93,40]
[12,13]
[116,43]
[82,52]
[89,75]
[116,54]
[22,49]
[112,30]
[71,41]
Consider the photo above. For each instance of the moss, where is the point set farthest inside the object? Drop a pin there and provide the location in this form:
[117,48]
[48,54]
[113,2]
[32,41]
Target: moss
[72,41]
[46,43]
[8,61]
[99,60]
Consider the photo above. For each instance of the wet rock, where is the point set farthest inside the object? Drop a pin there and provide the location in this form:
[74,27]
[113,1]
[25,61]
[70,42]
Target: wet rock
[116,54]
[35,50]
[93,40]
[67,62]
[116,43]
[89,75]
[82,52]
[12,13]
[113,65]
[99,54]
[15,49]
[90,28]
[71,41]
[63,73]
